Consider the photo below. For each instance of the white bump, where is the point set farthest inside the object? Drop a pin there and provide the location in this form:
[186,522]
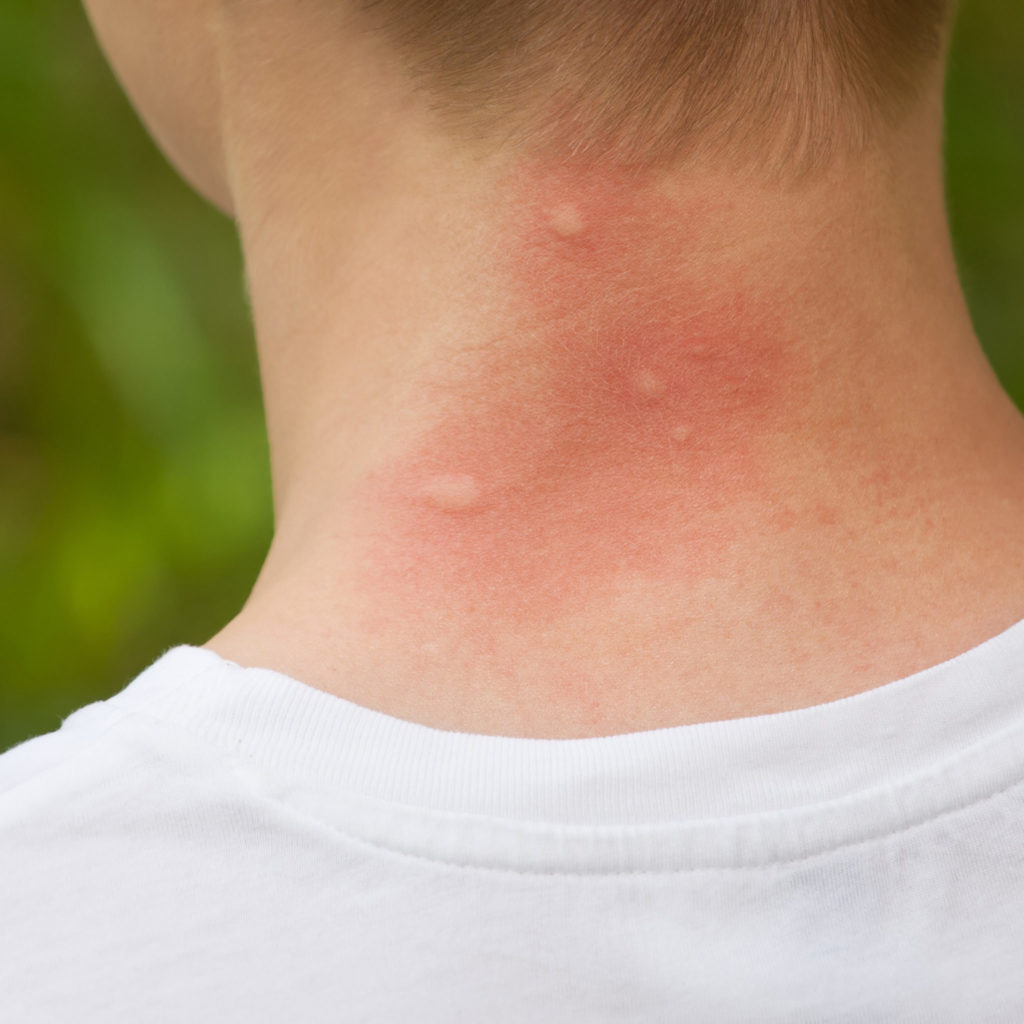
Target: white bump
[648,384]
[566,220]
[452,491]
[681,433]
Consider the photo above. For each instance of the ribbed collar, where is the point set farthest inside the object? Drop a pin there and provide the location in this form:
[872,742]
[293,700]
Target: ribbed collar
[965,710]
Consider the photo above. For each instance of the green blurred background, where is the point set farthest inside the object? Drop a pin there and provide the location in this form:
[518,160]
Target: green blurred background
[134,486]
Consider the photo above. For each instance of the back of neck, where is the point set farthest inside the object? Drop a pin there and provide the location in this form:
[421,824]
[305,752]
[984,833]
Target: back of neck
[561,431]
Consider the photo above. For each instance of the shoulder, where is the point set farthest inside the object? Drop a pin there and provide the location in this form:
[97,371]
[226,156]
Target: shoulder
[37,761]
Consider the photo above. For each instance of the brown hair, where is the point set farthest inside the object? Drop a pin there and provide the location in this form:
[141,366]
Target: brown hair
[647,80]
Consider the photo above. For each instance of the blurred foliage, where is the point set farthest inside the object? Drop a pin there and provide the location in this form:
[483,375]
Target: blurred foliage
[134,485]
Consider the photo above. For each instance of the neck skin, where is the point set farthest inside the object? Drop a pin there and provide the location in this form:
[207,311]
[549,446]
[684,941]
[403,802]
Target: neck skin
[567,450]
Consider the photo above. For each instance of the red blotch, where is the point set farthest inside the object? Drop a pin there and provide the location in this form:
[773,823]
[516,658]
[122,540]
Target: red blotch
[625,406]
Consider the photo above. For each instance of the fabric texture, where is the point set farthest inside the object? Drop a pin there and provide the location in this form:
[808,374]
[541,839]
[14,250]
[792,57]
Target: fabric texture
[220,844]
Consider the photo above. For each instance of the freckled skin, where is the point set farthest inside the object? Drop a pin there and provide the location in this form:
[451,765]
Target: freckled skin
[626,404]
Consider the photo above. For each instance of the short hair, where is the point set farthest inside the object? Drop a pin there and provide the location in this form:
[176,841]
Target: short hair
[649,80]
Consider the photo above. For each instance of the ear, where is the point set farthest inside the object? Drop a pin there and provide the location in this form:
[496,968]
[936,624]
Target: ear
[165,55]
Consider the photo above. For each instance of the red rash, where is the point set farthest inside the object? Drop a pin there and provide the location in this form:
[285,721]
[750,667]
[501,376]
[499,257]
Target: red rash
[594,441]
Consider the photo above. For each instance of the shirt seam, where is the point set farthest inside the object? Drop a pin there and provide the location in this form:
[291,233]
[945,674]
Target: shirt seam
[883,837]
[240,765]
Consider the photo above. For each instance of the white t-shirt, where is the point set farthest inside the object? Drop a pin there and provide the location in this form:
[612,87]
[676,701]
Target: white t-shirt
[219,844]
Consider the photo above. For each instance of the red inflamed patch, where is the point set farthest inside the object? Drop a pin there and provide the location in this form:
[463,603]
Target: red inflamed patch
[627,399]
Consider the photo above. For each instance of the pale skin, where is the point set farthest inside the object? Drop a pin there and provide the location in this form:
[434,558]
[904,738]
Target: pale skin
[562,450]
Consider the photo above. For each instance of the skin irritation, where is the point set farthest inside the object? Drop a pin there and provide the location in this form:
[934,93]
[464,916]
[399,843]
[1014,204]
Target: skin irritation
[594,443]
